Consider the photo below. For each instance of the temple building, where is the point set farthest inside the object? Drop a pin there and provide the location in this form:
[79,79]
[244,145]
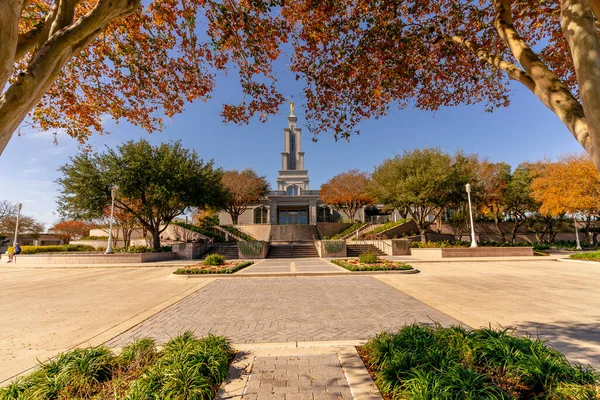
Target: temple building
[293,203]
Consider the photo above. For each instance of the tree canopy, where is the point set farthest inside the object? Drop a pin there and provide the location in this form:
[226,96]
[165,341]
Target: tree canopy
[569,185]
[425,182]
[71,229]
[242,189]
[347,192]
[72,62]
[155,184]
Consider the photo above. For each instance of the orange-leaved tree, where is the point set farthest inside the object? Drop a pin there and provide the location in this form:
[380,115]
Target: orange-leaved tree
[242,188]
[68,63]
[71,229]
[569,185]
[347,192]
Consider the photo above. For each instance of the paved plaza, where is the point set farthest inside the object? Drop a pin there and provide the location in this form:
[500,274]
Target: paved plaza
[288,310]
[44,311]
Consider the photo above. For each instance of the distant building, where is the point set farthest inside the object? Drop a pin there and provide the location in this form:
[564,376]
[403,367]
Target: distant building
[293,203]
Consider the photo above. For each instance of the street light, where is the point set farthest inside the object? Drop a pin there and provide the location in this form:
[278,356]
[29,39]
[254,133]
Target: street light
[577,235]
[473,241]
[113,193]
[16,238]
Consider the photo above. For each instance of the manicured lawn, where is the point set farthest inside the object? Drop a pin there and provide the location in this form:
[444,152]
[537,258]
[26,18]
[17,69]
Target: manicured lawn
[186,368]
[228,267]
[591,256]
[380,265]
[422,362]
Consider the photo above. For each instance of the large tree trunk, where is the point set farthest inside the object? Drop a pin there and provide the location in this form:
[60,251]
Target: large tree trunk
[66,39]
[578,26]
[423,233]
[537,77]
[155,239]
[234,218]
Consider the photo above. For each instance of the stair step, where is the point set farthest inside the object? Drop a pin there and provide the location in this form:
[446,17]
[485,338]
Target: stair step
[292,251]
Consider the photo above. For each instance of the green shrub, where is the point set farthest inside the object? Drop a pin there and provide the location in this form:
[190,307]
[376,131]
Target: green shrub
[349,230]
[187,368]
[214,259]
[143,249]
[94,238]
[53,249]
[455,363]
[385,227]
[368,258]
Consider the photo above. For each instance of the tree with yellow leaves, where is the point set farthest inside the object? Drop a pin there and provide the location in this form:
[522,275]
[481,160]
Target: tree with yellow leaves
[569,185]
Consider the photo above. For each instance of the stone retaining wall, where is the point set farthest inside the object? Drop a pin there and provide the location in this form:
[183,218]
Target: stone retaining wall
[117,258]
[487,252]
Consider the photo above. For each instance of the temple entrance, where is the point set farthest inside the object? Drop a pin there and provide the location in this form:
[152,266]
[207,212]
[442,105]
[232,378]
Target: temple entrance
[293,216]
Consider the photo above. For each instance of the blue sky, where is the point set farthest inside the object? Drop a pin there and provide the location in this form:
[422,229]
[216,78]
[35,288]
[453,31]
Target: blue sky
[525,131]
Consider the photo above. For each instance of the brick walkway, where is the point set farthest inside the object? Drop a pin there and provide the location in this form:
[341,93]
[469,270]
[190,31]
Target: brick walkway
[293,265]
[288,310]
[314,377]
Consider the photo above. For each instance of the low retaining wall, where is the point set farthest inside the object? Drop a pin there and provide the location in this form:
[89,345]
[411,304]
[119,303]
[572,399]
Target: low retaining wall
[190,251]
[117,258]
[453,252]
[325,248]
[487,252]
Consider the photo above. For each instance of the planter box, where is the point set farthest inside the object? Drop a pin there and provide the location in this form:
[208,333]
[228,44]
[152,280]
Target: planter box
[323,252]
[400,247]
[117,258]
[427,254]
[246,250]
[487,252]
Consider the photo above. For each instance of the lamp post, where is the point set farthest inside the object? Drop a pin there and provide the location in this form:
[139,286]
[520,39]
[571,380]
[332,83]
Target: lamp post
[473,241]
[577,234]
[16,238]
[113,193]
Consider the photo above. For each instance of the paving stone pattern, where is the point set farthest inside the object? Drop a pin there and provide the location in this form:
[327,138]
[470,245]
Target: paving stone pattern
[282,266]
[314,377]
[288,310]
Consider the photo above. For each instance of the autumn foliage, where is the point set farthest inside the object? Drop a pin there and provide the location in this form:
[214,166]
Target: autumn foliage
[71,230]
[347,192]
[243,188]
[569,185]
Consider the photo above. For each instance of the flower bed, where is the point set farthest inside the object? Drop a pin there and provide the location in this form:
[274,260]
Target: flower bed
[380,265]
[228,267]
[186,368]
[421,362]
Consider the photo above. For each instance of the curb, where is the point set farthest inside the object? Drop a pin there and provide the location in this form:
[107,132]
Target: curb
[579,261]
[295,274]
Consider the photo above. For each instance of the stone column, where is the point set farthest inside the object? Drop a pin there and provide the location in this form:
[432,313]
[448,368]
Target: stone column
[273,212]
[312,211]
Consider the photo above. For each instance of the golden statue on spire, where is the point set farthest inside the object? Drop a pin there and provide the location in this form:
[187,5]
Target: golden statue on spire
[292,108]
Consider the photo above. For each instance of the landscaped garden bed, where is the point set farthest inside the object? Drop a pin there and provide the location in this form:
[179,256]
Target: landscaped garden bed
[186,368]
[591,256]
[422,362]
[214,264]
[370,262]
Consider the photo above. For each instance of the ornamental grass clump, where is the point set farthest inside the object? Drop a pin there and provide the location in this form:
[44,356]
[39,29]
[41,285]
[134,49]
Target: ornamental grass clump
[187,368]
[422,362]
[214,260]
[368,258]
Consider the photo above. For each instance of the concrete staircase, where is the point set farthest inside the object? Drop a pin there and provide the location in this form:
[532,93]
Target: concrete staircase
[288,250]
[294,233]
[354,250]
[228,250]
